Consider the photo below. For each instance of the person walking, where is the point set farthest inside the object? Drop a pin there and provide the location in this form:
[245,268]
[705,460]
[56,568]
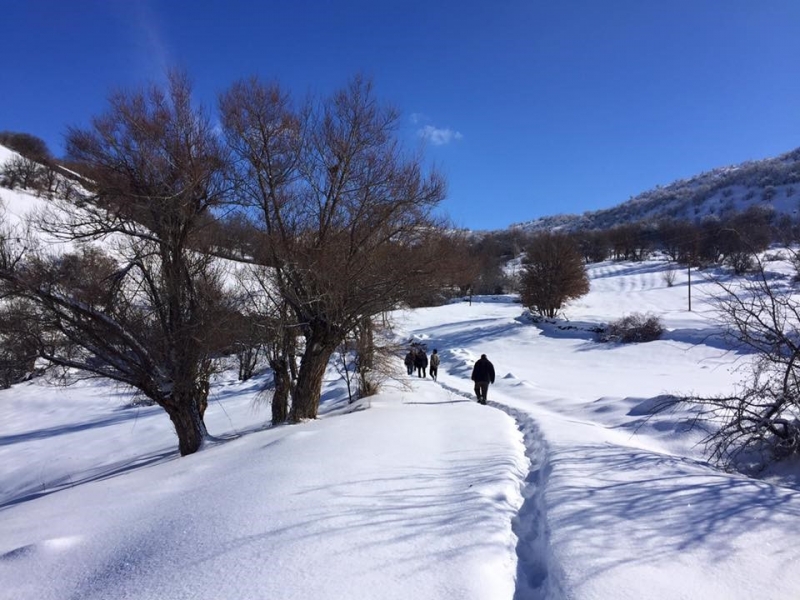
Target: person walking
[421,362]
[434,364]
[409,362]
[482,375]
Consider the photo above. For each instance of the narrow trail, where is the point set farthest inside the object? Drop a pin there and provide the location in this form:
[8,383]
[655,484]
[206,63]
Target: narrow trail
[538,577]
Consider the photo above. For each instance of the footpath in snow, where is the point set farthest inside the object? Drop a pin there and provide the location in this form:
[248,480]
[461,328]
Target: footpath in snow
[413,498]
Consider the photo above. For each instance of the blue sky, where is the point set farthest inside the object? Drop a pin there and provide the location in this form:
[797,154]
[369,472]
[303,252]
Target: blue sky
[530,108]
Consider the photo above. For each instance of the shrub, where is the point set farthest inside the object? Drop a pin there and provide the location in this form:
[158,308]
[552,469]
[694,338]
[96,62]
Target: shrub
[741,262]
[774,256]
[668,274]
[633,328]
[26,144]
[17,349]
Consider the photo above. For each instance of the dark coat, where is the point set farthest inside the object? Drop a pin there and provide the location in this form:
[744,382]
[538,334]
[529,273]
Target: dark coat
[483,371]
[421,360]
[409,360]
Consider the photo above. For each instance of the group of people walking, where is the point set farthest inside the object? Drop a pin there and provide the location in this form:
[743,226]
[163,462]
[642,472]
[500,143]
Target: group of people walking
[482,371]
[417,359]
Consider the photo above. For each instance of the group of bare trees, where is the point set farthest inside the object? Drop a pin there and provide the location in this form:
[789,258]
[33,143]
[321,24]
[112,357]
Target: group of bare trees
[340,228]
[729,241]
[34,168]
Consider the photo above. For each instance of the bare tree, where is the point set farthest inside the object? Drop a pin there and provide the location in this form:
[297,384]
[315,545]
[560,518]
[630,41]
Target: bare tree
[145,309]
[553,274]
[344,212]
[273,328]
[760,422]
[593,244]
[629,241]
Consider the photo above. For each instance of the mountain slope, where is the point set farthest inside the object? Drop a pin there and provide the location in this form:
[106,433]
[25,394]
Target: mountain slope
[772,183]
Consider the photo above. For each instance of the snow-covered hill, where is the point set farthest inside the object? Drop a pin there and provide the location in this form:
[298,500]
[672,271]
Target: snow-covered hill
[563,487]
[772,183]
[16,203]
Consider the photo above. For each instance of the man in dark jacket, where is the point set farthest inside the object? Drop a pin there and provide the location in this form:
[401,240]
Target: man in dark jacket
[482,375]
[409,362]
[421,362]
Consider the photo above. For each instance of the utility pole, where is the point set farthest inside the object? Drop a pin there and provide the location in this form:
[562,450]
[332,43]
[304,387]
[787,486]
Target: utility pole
[689,272]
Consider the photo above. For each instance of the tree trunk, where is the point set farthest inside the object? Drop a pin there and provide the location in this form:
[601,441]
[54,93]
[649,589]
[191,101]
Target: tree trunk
[248,359]
[280,399]
[305,403]
[203,389]
[185,416]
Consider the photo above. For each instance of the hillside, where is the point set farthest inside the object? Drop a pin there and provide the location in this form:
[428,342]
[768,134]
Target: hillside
[772,182]
[564,487]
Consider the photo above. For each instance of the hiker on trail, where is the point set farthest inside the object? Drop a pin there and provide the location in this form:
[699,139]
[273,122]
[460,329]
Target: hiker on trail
[434,364]
[409,362]
[482,375]
[421,362]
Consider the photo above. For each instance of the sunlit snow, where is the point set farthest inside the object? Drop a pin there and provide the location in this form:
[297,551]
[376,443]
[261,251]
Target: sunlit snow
[565,486]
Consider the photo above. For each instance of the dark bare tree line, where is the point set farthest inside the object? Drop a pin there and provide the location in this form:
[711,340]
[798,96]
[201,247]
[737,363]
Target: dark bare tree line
[711,242]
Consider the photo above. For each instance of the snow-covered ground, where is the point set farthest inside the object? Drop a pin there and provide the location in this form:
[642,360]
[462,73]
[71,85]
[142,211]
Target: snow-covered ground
[561,488]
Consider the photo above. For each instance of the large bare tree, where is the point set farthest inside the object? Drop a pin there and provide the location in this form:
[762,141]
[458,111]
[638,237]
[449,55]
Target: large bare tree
[344,212]
[137,300]
[553,273]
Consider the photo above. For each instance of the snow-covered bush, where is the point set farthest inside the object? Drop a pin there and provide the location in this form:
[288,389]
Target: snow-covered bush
[635,327]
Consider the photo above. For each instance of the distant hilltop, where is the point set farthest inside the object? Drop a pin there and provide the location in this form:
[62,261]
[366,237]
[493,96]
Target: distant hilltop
[772,183]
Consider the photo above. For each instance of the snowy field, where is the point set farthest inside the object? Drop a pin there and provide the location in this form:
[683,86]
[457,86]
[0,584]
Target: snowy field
[561,488]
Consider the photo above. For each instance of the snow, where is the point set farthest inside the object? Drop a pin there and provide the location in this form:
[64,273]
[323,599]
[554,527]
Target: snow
[564,486]
[379,503]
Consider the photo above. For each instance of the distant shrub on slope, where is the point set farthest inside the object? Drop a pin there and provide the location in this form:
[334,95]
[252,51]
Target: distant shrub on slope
[633,328]
[26,144]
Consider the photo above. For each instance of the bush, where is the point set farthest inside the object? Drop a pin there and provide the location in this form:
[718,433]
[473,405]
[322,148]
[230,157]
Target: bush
[741,262]
[669,274]
[26,144]
[17,349]
[633,328]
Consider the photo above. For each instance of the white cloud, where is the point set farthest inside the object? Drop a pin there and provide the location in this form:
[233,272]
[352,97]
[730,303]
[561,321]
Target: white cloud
[439,137]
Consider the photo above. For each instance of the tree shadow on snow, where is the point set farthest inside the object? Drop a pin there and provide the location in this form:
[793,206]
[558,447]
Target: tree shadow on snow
[659,506]
[99,474]
[48,432]
[476,333]
[631,269]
